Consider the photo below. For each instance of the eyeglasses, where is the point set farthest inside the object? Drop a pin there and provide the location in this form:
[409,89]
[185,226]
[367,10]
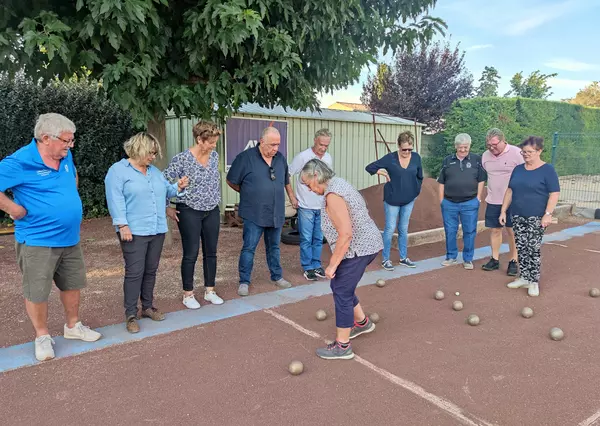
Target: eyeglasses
[69,143]
[273,177]
[528,152]
[153,153]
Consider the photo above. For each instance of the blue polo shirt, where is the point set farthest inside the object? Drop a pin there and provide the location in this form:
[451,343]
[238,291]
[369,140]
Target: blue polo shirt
[262,199]
[54,209]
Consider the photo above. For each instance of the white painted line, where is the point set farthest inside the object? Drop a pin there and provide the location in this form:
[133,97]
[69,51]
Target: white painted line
[556,244]
[449,407]
[593,251]
[591,420]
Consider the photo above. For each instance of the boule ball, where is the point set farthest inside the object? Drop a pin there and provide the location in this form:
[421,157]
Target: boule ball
[321,315]
[527,312]
[457,305]
[380,282]
[556,333]
[439,295]
[473,319]
[594,292]
[374,317]
[295,368]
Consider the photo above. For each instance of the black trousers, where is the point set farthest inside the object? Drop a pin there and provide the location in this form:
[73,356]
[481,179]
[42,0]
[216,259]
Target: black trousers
[142,256]
[198,228]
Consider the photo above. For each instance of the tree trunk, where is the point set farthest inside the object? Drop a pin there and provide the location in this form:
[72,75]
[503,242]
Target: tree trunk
[158,129]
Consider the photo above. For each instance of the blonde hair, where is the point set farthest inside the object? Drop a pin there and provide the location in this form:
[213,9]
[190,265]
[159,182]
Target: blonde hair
[141,145]
[204,130]
[406,137]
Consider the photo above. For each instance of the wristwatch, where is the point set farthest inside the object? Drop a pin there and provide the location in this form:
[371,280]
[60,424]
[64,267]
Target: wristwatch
[549,213]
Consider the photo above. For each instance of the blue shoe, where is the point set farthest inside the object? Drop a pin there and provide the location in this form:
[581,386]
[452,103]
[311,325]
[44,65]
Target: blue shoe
[387,265]
[408,263]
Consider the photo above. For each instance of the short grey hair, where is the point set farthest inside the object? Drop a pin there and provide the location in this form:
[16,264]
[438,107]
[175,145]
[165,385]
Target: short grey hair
[319,169]
[53,124]
[268,130]
[495,133]
[462,139]
[323,132]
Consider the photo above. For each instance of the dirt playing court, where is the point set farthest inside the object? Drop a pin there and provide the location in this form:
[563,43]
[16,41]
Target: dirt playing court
[422,366]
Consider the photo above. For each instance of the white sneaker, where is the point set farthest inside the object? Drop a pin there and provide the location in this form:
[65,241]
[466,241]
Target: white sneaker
[81,332]
[43,348]
[190,302]
[212,297]
[533,290]
[449,262]
[518,283]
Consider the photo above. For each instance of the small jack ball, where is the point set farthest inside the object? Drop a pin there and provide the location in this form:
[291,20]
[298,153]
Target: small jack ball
[321,315]
[295,368]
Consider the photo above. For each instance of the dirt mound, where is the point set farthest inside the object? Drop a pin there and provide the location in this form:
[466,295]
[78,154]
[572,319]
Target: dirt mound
[426,213]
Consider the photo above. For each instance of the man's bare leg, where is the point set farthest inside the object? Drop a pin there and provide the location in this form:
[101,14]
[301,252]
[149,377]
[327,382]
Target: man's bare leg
[38,314]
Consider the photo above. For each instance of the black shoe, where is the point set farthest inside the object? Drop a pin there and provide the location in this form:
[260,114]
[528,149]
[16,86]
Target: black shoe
[513,268]
[320,272]
[310,275]
[492,265]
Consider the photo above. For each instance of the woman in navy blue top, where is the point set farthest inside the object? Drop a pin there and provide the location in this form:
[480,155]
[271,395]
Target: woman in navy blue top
[532,195]
[404,174]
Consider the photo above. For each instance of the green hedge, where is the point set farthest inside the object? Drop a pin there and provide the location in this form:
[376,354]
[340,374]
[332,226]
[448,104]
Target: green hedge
[519,118]
[102,127]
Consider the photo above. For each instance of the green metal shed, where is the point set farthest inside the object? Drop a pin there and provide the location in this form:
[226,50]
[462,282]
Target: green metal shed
[352,146]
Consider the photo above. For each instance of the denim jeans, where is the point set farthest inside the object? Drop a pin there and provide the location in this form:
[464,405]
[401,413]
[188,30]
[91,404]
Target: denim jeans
[467,213]
[311,238]
[251,236]
[391,222]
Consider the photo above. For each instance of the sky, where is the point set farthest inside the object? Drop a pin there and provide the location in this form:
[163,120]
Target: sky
[553,36]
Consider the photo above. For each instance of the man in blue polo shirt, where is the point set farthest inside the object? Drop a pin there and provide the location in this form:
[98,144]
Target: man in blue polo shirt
[47,212]
[261,177]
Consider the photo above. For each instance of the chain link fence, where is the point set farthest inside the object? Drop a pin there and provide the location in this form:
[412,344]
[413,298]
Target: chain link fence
[576,158]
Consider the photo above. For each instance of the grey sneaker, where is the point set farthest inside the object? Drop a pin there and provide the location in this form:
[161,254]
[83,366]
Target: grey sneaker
[43,348]
[282,283]
[449,262]
[243,290]
[468,265]
[387,265]
[408,263]
[357,330]
[335,351]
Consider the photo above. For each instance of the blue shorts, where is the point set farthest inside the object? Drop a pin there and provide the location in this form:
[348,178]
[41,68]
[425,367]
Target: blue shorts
[492,214]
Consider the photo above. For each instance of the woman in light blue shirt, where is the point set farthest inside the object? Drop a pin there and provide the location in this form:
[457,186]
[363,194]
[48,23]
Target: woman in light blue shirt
[137,195]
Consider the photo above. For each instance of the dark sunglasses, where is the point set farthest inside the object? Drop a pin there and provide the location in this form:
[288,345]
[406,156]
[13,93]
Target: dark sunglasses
[273,177]
[407,149]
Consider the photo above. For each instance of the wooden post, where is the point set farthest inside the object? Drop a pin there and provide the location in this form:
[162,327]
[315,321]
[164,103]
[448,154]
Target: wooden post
[158,129]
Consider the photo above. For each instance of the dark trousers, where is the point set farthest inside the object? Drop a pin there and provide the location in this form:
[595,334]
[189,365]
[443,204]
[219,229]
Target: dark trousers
[198,227]
[343,285]
[251,236]
[142,256]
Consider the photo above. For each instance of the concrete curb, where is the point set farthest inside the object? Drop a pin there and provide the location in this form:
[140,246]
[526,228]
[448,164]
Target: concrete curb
[437,234]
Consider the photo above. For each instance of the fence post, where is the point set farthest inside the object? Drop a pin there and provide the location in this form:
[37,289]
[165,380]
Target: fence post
[554,145]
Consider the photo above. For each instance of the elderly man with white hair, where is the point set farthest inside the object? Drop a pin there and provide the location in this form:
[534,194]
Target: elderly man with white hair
[461,183]
[47,212]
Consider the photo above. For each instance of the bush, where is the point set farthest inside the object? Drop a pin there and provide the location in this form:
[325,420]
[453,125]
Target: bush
[518,118]
[102,127]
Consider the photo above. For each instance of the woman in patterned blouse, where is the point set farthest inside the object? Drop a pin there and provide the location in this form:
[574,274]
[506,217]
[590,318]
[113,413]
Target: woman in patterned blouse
[354,241]
[197,212]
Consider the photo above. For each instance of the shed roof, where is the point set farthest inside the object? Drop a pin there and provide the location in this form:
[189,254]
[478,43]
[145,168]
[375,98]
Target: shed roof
[327,114]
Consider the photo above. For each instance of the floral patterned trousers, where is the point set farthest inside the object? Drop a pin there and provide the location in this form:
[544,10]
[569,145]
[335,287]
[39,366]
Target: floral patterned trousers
[528,237]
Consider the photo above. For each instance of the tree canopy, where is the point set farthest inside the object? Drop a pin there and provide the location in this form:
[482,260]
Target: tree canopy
[420,84]
[208,56]
[588,96]
[488,83]
[535,86]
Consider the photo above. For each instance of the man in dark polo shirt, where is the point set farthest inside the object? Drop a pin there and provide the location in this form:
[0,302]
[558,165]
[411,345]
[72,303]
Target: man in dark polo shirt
[461,184]
[47,212]
[261,177]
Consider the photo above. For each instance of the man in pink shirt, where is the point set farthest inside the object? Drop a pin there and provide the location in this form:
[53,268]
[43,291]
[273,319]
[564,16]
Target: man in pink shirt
[499,161]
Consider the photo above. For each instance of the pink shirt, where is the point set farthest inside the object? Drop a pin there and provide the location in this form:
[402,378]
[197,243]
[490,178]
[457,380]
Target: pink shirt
[499,170]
